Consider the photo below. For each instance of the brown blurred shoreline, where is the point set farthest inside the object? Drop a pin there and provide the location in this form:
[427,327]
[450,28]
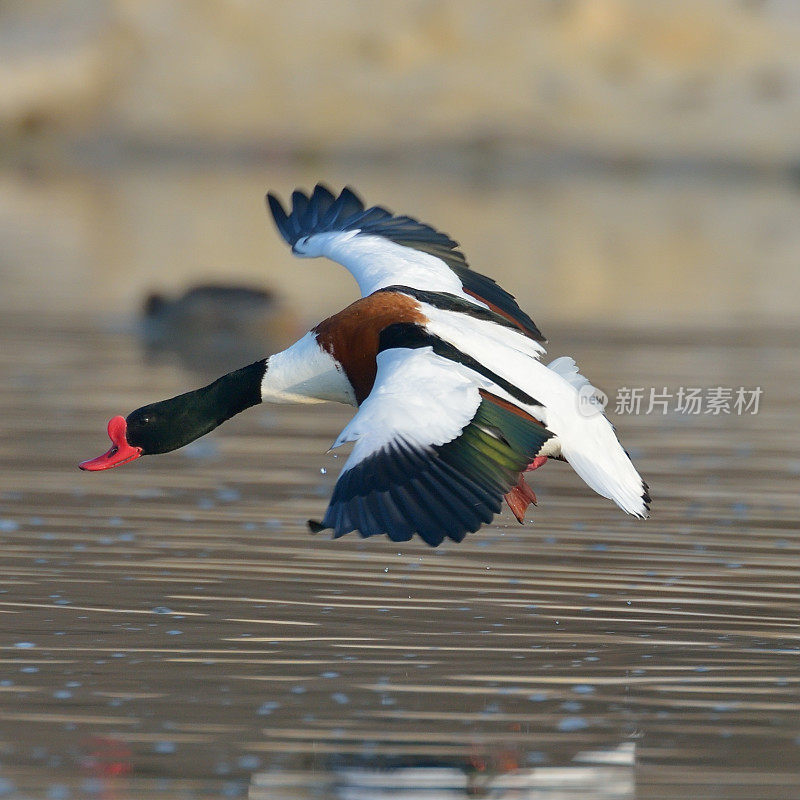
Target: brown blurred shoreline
[611,162]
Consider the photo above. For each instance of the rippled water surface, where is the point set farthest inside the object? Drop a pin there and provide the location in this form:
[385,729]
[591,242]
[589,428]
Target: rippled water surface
[172,630]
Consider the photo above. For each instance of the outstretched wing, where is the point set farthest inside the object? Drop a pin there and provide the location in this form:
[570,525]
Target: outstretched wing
[383,249]
[434,452]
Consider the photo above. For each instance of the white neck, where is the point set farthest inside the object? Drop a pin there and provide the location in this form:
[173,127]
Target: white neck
[305,373]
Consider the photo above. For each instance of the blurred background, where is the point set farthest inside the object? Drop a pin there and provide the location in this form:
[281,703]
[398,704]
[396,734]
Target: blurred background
[630,169]
[609,161]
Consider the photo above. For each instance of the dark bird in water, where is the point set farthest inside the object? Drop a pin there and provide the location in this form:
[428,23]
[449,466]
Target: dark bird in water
[214,325]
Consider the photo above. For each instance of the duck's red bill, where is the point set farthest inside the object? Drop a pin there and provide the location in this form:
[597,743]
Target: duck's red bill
[120,453]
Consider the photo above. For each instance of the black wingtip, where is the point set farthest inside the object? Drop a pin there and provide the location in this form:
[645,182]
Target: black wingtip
[352,196]
[320,210]
[646,499]
[316,527]
[322,195]
[274,204]
[279,217]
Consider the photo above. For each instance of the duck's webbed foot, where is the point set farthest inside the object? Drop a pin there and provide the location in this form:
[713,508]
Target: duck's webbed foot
[519,498]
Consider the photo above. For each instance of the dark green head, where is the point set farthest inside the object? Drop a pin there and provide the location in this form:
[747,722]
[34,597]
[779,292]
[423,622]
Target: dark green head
[169,424]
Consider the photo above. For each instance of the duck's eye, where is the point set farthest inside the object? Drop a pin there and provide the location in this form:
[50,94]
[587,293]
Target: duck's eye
[145,420]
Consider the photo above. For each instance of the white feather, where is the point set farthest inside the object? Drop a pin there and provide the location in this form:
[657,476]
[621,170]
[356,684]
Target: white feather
[568,370]
[418,398]
[376,263]
[501,337]
[583,436]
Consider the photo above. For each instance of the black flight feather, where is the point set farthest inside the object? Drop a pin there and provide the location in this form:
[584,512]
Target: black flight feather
[437,491]
[322,212]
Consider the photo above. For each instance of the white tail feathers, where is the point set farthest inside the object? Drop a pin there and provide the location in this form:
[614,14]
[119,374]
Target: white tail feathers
[611,474]
[594,452]
[568,370]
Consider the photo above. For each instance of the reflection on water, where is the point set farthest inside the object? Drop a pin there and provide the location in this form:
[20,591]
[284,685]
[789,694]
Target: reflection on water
[592,775]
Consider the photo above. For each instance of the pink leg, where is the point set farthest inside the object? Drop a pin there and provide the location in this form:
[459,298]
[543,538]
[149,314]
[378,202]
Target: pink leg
[519,498]
[537,462]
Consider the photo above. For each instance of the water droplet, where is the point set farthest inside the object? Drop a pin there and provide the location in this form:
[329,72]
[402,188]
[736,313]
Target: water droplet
[569,724]
[268,707]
